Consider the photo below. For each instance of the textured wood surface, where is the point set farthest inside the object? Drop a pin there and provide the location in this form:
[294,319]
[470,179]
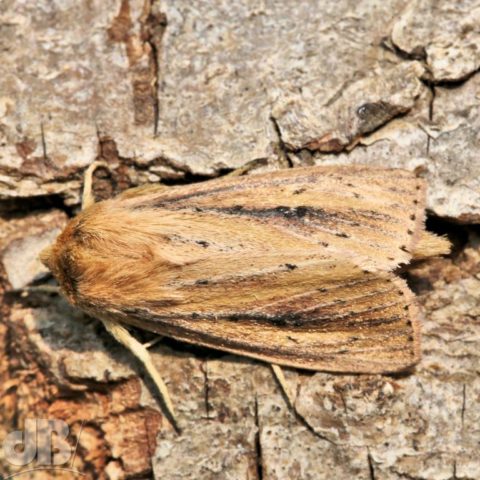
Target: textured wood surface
[181,91]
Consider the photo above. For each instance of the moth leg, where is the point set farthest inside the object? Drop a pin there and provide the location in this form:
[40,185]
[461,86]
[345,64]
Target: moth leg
[278,373]
[245,168]
[123,336]
[153,342]
[87,196]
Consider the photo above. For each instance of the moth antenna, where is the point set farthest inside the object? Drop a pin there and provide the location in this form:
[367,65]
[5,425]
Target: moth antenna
[123,336]
[87,196]
[278,373]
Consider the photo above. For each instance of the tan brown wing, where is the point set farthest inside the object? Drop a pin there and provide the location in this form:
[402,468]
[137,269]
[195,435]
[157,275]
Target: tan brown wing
[293,267]
[374,214]
[344,321]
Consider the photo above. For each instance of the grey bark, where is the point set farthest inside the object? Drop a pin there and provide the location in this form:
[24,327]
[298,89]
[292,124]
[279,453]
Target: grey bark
[181,91]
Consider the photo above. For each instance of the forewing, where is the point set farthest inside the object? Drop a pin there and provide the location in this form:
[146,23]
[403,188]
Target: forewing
[375,215]
[339,319]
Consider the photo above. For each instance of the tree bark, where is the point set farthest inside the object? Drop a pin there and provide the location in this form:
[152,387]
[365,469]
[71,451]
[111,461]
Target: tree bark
[179,92]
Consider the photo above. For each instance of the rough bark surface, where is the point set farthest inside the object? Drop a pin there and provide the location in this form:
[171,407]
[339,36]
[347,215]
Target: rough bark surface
[181,91]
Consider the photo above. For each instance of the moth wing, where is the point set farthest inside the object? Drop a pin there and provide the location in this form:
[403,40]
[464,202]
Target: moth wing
[375,215]
[338,319]
[292,267]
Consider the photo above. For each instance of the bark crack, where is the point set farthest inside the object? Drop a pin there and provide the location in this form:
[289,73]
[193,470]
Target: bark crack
[303,420]
[206,390]
[154,26]
[430,85]
[44,142]
[371,466]
[282,150]
[258,444]
[344,402]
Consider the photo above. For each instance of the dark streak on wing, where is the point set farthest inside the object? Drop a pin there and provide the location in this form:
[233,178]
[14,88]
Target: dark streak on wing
[310,216]
[296,321]
[316,218]
[387,343]
[234,278]
[301,212]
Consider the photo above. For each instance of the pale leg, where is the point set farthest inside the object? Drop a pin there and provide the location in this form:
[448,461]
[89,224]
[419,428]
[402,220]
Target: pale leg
[278,372]
[122,335]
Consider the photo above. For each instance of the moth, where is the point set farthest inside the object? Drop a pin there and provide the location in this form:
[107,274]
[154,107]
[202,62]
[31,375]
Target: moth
[296,268]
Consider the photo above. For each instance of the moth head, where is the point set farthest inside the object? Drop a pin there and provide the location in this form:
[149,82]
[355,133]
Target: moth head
[60,259]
